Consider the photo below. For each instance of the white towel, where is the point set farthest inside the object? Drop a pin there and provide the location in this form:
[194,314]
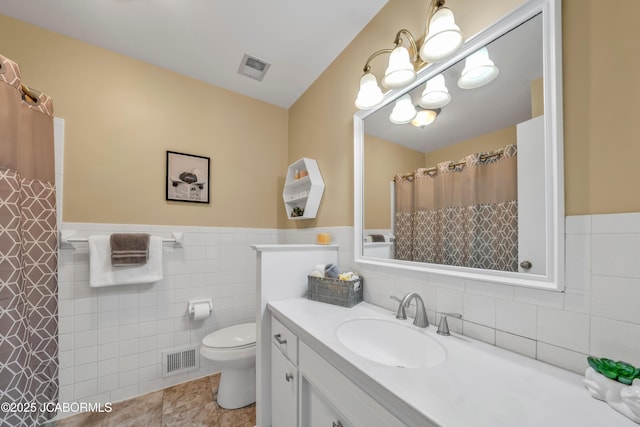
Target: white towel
[102,273]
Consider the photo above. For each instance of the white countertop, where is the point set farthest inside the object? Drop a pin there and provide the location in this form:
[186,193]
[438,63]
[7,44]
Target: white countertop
[289,247]
[477,385]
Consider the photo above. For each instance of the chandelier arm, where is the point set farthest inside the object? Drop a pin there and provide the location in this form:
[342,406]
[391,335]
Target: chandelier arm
[434,5]
[412,42]
[367,67]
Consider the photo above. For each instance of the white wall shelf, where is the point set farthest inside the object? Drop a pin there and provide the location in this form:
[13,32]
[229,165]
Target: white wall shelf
[302,194]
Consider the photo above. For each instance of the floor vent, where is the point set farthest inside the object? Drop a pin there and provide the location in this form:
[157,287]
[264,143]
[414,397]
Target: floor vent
[179,361]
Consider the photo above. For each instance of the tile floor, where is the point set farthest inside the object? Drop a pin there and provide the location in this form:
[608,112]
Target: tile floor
[188,404]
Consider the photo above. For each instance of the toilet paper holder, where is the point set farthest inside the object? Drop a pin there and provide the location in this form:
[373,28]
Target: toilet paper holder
[191,306]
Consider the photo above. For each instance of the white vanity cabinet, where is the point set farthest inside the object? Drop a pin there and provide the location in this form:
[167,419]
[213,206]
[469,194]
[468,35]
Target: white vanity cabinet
[316,409]
[308,391]
[474,386]
[284,376]
[328,398]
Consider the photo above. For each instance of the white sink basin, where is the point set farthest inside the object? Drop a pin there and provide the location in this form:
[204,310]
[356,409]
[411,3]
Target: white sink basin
[390,343]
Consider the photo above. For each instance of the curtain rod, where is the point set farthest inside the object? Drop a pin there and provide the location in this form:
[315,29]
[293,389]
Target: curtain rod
[483,158]
[66,239]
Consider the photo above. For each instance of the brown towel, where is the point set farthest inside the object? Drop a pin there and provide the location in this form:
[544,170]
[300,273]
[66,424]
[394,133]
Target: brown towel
[129,249]
[377,238]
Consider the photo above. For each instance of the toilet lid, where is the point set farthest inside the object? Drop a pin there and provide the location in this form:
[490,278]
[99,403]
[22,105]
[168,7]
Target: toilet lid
[237,336]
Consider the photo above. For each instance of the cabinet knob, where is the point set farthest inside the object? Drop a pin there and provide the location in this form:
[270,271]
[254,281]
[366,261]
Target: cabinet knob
[288,376]
[337,424]
[526,265]
[278,338]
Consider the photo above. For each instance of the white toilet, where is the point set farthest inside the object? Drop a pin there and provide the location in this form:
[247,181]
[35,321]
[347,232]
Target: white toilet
[233,350]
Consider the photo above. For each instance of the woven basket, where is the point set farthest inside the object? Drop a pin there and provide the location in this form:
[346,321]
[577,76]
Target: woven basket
[345,293]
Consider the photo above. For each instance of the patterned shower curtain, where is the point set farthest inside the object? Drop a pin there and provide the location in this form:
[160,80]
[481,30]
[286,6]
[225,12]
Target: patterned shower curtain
[460,213]
[28,254]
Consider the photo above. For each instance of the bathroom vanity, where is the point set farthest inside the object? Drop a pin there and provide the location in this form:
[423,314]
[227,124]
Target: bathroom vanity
[317,380]
[326,397]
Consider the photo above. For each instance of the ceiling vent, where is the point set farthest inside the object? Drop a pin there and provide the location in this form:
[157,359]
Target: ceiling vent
[253,67]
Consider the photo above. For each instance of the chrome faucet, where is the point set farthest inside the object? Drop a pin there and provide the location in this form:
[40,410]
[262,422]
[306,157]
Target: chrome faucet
[420,319]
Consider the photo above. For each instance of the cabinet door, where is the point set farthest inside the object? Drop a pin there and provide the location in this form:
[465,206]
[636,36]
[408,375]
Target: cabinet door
[317,411]
[284,390]
[325,390]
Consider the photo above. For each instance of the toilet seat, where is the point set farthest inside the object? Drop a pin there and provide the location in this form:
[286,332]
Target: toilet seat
[232,338]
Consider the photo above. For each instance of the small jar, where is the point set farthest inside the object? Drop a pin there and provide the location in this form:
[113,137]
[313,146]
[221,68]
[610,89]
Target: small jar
[323,238]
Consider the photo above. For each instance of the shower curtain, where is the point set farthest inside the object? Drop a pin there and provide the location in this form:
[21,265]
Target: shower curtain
[460,213]
[28,254]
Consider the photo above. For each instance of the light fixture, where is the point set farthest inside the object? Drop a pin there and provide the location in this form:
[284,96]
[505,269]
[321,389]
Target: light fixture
[400,71]
[424,118]
[435,94]
[442,40]
[369,94]
[404,111]
[478,70]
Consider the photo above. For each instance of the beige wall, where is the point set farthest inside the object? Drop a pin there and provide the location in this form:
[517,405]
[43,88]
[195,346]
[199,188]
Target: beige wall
[382,161]
[122,115]
[537,97]
[481,144]
[602,89]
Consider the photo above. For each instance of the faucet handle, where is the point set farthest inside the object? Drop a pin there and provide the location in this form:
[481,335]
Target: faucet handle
[443,326]
[401,314]
[456,315]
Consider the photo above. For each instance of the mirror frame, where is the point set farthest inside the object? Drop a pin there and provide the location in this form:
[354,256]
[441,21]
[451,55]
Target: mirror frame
[553,279]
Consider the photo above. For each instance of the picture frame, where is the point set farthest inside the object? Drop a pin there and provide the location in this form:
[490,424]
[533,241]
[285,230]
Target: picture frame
[187,177]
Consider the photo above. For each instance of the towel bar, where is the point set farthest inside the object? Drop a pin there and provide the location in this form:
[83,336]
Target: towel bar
[66,240]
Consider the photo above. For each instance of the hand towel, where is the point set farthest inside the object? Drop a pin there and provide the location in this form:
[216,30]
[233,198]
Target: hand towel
[377,238]
[129,249]
[102,273]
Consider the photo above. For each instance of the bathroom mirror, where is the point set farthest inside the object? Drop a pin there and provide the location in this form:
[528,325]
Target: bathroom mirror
[519,111]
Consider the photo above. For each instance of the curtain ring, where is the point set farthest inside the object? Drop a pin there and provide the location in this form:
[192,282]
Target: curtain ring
[30,96]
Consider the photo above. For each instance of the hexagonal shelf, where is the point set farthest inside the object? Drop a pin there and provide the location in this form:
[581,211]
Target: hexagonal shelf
[303,189]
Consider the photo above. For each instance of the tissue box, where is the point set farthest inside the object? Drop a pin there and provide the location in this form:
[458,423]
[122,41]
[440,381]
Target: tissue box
[345,293]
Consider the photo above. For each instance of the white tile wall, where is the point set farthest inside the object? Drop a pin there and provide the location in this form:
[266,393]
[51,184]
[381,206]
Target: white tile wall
[111,338]
[563,329]
[479,309]
[479,332]
[515,343]
[597,314]
[612,297]
[516,318]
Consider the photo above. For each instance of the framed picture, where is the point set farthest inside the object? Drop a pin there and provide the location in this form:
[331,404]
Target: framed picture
[187,177]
